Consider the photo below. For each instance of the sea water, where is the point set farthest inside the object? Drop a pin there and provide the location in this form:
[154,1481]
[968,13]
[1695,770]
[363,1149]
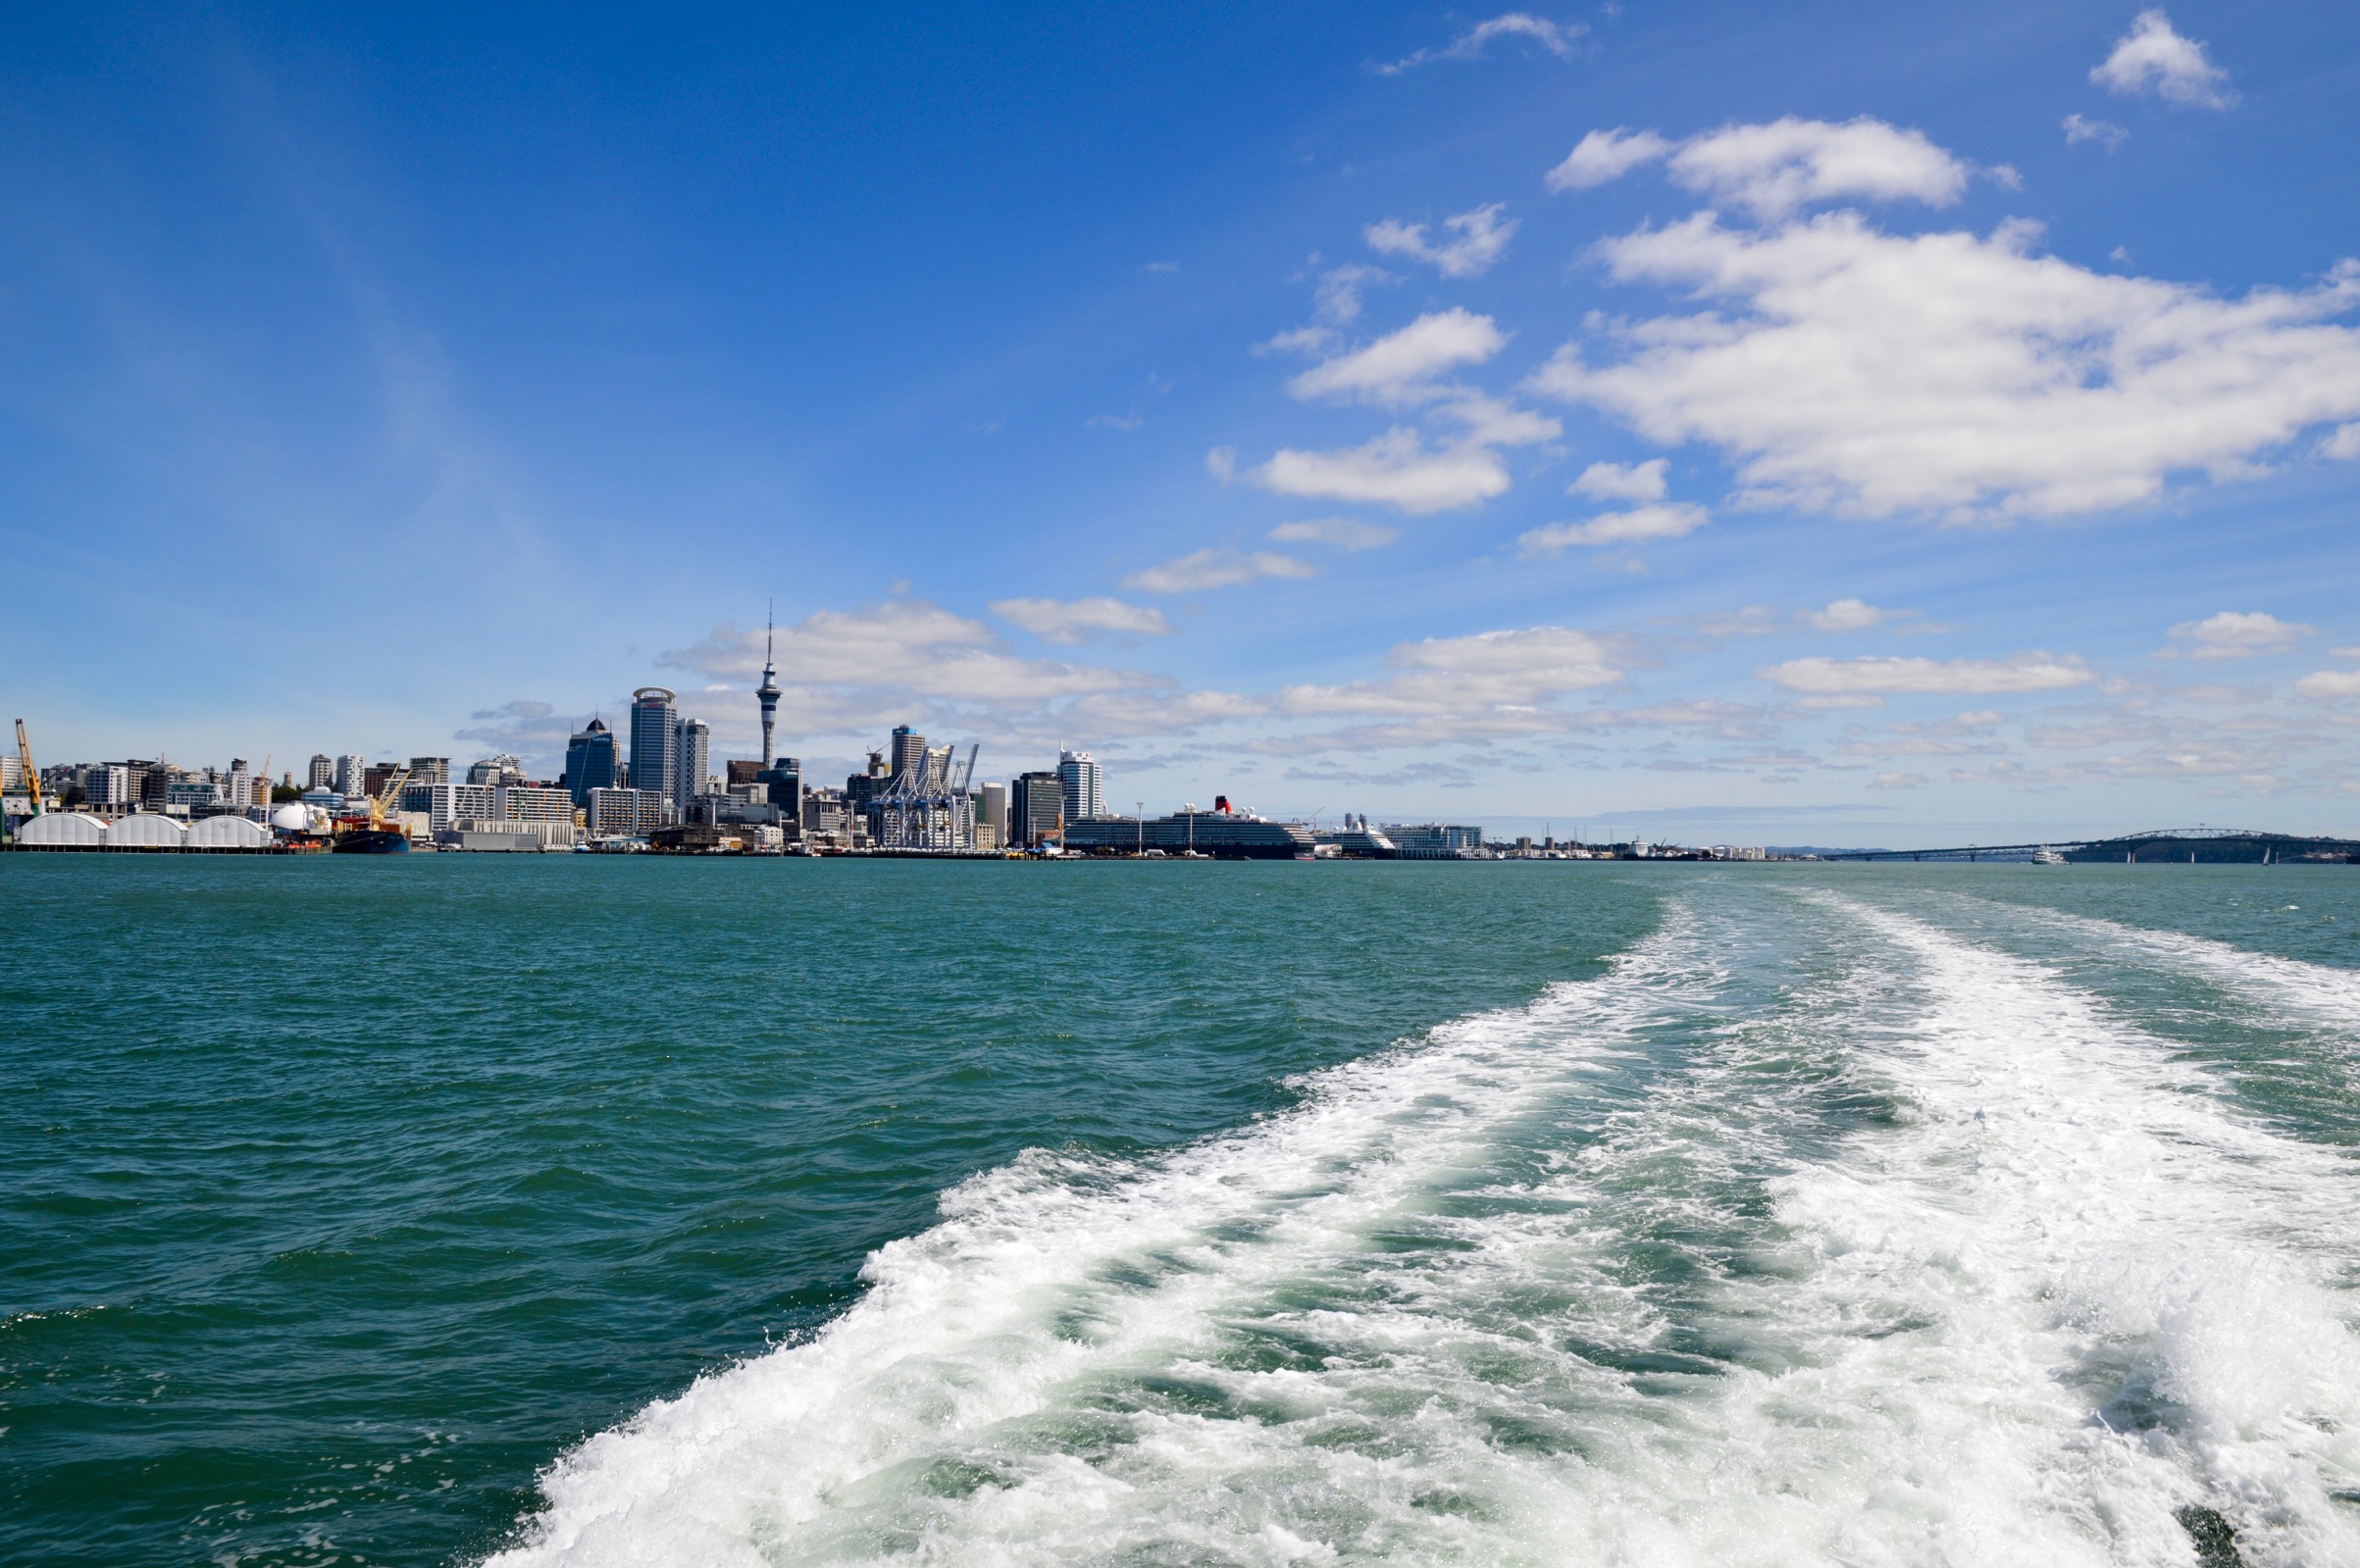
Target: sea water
[644,1212]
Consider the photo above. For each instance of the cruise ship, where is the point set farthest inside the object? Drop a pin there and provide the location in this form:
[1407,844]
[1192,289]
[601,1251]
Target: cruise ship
[1221,834]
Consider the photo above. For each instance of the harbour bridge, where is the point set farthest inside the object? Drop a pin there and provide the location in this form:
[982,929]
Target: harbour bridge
[2180,846]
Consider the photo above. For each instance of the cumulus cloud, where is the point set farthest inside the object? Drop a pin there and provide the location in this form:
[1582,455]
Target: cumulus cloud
[1124,715]
[1495,683]
[2102,131]
[2152,58]
[1671,520]
[532,729]
[2021,672]
[1773,169]
[1400,368]
[1556,38]
[1621,481]
[1849,615]
[2231,635]
[1397,468]
[2329,684]
[1482,235]
[2342,442]
[1073,621]
[1337,294]
[1216,569]
[1339,533]
[1849,370]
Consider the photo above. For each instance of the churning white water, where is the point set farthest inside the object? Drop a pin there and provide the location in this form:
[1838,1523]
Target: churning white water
[1812,1232]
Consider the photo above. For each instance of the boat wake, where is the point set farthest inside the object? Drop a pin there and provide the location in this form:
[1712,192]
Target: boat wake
[1811,1232]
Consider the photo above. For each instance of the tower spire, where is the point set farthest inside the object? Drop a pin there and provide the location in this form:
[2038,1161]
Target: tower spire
[768,691]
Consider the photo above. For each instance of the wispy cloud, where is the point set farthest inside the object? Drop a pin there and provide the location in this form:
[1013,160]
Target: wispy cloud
[1339,533]
[1669,520]
[1557,38]
[1776,168]
[1482,235]
[2018,673]
[2235,635]
[2103,131]
[1071,620]
[1216,569]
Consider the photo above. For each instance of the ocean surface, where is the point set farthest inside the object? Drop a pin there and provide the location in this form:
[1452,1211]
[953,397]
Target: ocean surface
[638,1212]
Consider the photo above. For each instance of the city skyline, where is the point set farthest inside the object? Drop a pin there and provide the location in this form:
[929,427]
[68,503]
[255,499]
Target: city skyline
[1386,429]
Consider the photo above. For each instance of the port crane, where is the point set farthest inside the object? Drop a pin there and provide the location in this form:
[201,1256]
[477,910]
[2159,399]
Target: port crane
[32,780]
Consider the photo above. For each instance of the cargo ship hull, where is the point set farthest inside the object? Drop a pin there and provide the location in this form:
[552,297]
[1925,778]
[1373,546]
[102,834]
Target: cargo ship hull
[372,842]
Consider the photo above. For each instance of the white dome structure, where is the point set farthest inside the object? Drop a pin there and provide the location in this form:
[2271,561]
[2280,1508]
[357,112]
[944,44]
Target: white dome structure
[289,818]
[234,833]
[144,831]
[62,830]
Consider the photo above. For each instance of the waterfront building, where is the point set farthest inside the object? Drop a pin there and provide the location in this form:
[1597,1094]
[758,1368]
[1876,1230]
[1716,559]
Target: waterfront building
[109,788]
[190,797]
[322,771]
[237,790]
[830,818]
[692,761]
[590,761]
[1078,778]
[783,782]
[352,775]
[1036,809]
[995,809]
[429,770]
[628,813]
[653,723]
[1435,840]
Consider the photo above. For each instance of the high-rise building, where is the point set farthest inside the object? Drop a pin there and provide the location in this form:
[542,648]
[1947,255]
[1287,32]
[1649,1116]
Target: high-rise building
[767,693]
[652,723]
[996,811]
[590,761]
[426,771]
[691,760]
[352,774]
[1077,773]
[504,769]
[785,781]
[322,771]
[1036,808]
[908,753]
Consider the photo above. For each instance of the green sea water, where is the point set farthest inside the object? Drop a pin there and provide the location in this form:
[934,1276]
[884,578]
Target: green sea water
[630,1210]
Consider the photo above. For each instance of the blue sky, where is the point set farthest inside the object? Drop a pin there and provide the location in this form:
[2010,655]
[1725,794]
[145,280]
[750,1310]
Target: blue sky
[1829,422]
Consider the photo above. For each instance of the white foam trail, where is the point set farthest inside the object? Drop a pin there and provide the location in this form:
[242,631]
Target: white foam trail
[2318,989]
[1846,1274]
[1042,1276]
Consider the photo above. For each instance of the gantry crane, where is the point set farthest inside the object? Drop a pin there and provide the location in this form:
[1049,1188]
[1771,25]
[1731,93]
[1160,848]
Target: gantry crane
[32,780]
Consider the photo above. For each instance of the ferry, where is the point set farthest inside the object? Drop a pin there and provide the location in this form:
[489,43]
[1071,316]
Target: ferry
[2046,856]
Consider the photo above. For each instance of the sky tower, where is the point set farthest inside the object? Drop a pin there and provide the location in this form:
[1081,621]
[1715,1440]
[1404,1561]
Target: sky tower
[768,690]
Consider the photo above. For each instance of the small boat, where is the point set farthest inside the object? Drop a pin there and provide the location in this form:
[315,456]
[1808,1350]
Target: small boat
[2046,856]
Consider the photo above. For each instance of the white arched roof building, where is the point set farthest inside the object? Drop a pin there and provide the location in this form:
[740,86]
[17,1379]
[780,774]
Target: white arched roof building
[62,830]
[144,831]
[226,833]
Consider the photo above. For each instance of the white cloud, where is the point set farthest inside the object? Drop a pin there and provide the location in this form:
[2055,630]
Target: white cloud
[1775,168]
[2235,636]
[1621,481]
[1494,681]
[1848,614]
[2152,58]
[1342,533]
[1556,38]
[1077,620]
[1113,422]
[1114,715]
[1216,569]
[1605,155]
[1853,370]
[2104,132]
[1399,369]
[1668,521]
[1482,235]
[2022,672]
[2329,684]
[1337,294]
[1898,780]
[2342,442]
[1396,468]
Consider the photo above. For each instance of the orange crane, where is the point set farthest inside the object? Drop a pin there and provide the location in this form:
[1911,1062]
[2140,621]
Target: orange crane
[32,780]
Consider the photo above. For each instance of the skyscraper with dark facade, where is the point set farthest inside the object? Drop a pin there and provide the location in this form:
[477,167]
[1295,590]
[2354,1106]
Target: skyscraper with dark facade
[590,761]
[652,740]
